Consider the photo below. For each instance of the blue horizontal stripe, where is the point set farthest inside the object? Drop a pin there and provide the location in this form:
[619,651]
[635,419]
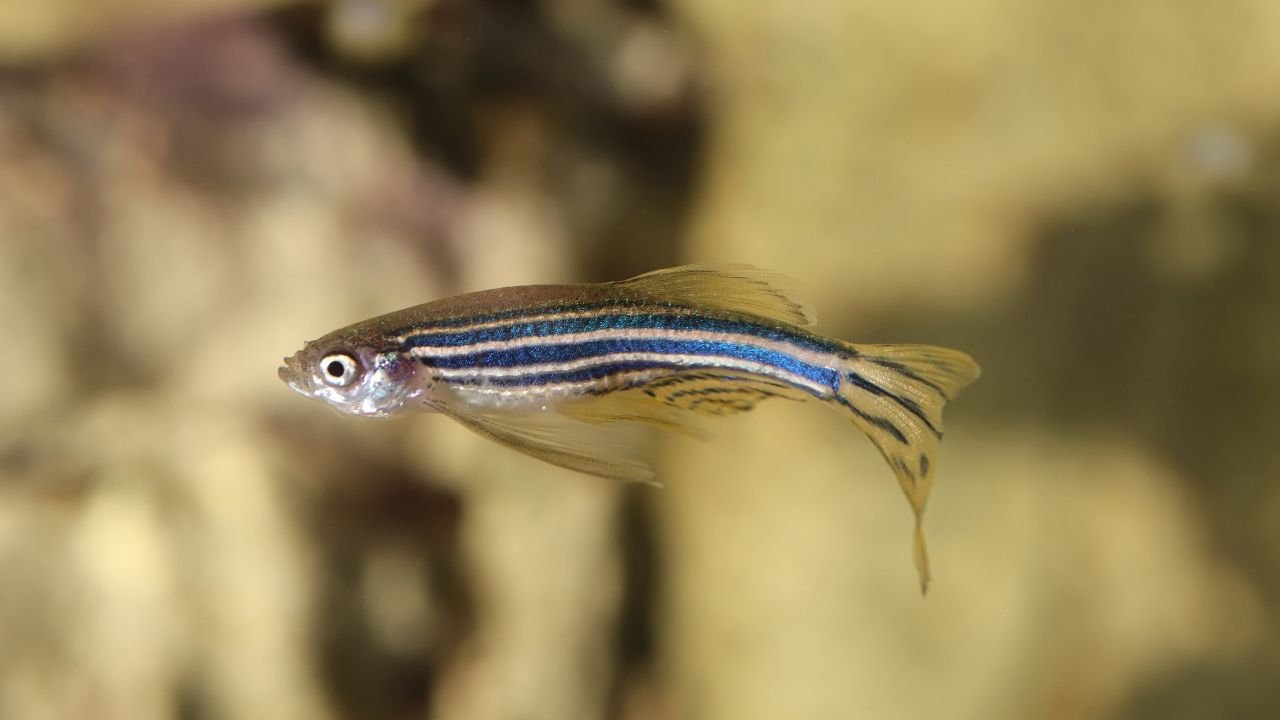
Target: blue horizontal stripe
[551,353]
[599,372]
[613,321]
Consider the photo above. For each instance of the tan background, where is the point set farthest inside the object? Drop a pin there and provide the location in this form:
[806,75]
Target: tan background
[1085,196]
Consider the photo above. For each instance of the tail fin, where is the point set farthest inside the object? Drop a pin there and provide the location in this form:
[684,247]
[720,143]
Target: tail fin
[895,394]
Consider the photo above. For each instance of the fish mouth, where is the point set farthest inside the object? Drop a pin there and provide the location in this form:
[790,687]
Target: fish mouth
[292,374]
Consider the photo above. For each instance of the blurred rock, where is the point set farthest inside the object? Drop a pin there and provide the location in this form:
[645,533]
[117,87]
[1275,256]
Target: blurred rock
[174,220]
[35,31]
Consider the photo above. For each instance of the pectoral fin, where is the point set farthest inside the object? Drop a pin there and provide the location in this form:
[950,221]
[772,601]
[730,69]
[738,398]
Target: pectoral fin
[558,440]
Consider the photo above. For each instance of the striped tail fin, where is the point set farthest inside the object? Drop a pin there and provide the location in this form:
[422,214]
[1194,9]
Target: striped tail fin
[895,394]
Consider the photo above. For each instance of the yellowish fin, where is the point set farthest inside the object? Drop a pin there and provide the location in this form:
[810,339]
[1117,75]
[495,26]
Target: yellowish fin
[674,402]
[570,436]
[728,288]
[895,394]
[717,392]
[557,439]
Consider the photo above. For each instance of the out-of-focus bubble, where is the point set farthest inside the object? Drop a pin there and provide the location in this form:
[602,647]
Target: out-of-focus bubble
[652,70]
[1218,152]
[373,30]
[1191,245]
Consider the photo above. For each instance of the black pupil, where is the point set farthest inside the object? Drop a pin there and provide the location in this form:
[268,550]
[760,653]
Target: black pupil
[335,368]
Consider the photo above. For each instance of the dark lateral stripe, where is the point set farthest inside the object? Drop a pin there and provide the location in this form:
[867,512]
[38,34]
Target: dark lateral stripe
[621,321]
[586,374]
[552,353]
[874,420]
[907,403]
[713,376]
[720,391]
[899,367]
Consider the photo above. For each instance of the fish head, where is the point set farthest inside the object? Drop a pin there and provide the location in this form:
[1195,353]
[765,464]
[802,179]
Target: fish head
[352,378]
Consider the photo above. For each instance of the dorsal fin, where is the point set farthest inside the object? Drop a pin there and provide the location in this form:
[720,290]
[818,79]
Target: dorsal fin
[732,288]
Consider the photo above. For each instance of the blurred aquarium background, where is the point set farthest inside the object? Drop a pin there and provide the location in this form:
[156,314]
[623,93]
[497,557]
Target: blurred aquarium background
[1085,196]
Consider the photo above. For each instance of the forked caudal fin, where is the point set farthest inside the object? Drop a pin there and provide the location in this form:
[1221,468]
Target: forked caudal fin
[895,394]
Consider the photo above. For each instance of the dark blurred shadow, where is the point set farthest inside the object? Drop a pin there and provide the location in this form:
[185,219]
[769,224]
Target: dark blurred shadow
[471,63]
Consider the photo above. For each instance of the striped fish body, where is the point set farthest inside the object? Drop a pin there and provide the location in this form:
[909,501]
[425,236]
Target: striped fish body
[587,344]
[536,367]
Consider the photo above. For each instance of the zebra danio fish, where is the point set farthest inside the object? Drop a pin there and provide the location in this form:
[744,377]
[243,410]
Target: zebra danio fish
[535,367]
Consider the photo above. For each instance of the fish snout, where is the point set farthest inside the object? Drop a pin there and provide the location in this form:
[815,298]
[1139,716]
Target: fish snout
[291,373]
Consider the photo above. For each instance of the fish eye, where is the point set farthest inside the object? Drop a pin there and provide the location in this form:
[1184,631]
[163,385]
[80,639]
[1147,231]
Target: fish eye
[339,369]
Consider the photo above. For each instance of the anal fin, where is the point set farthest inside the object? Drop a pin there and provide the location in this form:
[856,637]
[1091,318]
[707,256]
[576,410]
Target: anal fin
[717,393]
[675,401]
